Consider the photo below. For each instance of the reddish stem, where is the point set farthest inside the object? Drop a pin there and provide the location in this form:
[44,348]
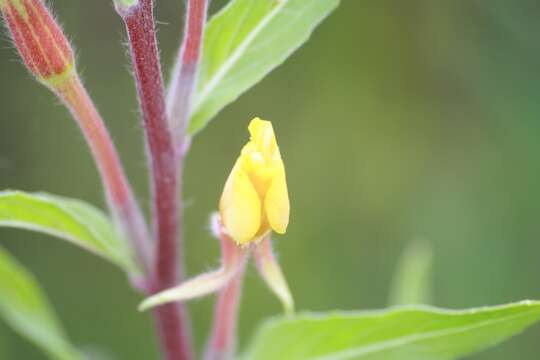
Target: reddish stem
[222,343]
[119,195]
[182,86]
[171,318]
[223,339]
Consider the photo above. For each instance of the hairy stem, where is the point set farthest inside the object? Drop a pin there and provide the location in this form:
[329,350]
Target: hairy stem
[182,85]
[119,195]
[172,318]
[222,342]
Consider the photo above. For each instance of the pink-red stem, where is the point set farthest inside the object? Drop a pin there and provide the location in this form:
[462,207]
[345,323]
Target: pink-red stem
[171,319]
[223,338]
[182,86]
[222,342]
[119,195]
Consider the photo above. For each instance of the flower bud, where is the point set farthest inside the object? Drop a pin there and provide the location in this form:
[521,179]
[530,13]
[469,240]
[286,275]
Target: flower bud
[255,198]
[124,6]
[254,202]
[39,39]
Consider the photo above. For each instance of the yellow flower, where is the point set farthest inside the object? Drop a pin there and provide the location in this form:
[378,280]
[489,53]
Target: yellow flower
[254,202]
[255,198]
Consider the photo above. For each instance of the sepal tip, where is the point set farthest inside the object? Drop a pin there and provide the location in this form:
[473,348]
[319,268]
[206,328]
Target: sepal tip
[273,275]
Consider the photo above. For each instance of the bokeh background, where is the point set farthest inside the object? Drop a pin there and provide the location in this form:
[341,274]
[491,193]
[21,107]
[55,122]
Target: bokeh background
[398,120]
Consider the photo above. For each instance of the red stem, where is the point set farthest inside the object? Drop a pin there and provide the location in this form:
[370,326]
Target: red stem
[222,342]
[182,86]
[119,195]
[171,318]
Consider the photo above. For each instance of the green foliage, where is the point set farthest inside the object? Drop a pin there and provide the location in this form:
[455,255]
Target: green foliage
[68,219]
[244,42]
[25,308]
[412,278]
[414,332]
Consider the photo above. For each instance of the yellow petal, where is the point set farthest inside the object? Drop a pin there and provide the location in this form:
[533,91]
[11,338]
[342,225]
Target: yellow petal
[276,202]
[262,136]
[240,207]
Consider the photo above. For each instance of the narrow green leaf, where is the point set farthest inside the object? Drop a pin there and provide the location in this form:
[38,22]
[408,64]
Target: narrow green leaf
[244,42]
[68,219]
[25,308]
[412,279]
[413,332]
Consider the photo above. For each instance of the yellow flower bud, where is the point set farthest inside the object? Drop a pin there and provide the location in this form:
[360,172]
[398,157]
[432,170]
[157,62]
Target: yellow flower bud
[255,198]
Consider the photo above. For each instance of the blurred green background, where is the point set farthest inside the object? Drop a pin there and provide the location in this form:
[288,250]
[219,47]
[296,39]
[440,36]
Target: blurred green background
[397,120]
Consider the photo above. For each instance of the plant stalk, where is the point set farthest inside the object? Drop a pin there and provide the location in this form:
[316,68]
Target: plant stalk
[222,342]
[119,194]
[171,319]
[183,81]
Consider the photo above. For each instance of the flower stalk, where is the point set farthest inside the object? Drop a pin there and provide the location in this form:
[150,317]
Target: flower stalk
[171,318]
[48,55]
[120,197]
[182,85]
[222,342]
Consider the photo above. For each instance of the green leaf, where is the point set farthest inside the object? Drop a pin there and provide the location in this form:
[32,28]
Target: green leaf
[413,332]
[244,42]
[25,308]
[68,219]
[412,278]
